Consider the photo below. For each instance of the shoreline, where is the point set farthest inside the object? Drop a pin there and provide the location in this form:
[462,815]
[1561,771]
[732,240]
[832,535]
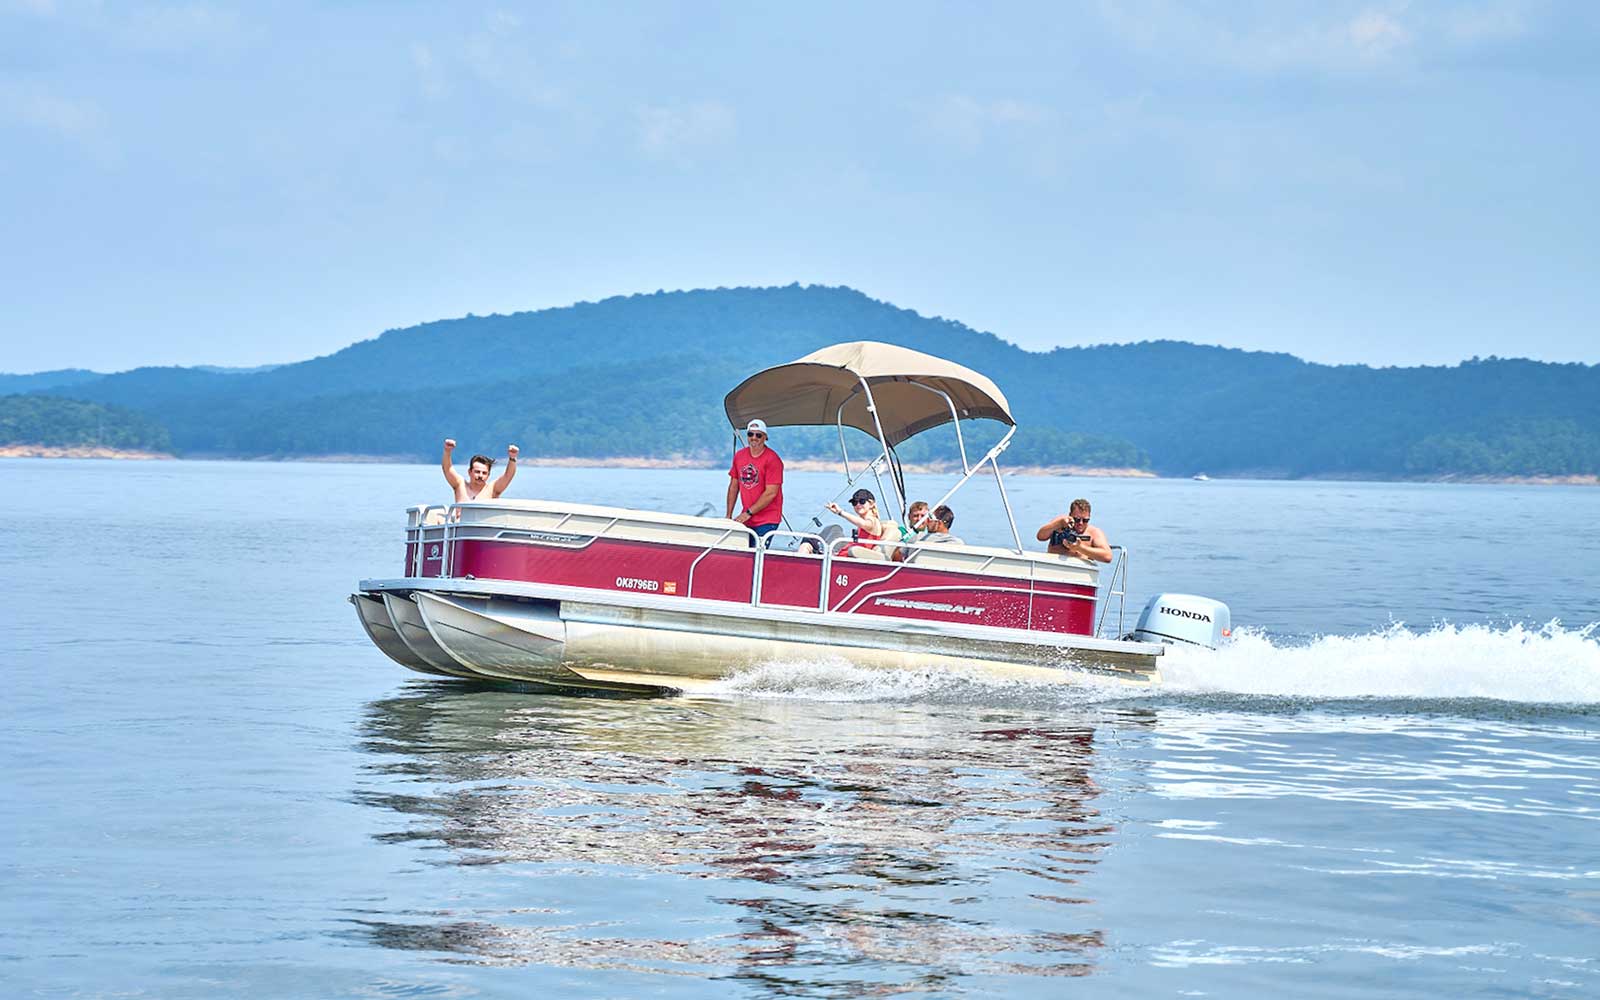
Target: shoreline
[828,465]
[83,451]
[797,465]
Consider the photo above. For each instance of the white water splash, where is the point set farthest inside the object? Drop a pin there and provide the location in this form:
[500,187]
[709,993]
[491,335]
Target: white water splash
[1547,665]
[834,678]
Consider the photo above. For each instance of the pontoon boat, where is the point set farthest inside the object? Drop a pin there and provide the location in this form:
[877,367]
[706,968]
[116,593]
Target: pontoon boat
[572,595]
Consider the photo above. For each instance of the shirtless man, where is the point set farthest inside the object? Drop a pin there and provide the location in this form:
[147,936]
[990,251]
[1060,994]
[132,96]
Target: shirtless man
[477,486]
[1091,542]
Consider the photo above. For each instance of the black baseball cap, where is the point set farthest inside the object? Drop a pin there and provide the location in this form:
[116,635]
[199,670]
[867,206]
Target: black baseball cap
[861,496]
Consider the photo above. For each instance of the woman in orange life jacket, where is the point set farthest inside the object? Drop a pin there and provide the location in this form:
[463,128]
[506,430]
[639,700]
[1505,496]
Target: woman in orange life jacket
[870,527]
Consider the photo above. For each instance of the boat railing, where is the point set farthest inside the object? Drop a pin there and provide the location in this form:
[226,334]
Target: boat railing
[832,555]
[764,550]
[448,525]
[1116,586]
[426,524]
[755,576]
[434,531]
[909,551]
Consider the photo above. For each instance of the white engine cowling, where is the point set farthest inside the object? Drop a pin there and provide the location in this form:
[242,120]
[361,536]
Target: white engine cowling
[1184,618]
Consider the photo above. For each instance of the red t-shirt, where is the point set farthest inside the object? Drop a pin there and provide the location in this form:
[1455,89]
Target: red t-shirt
[754,475]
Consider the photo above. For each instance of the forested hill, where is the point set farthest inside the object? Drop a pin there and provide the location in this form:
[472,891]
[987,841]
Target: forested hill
[644,375]
[49,422]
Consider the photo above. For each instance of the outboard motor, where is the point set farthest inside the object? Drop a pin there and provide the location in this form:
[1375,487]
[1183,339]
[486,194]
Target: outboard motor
[1184,618]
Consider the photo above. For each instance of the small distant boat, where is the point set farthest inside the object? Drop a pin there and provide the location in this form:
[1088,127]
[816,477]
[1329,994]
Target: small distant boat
[1201,477]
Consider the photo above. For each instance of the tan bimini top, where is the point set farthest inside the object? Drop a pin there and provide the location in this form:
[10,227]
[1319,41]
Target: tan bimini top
[809,392]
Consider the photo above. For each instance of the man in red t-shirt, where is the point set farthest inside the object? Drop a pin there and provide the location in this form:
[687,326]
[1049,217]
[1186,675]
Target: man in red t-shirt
[756,480]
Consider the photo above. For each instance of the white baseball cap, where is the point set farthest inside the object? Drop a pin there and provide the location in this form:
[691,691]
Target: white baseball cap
[756,425]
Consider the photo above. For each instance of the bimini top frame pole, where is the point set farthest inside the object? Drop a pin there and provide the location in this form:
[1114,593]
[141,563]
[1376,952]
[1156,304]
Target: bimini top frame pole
[872,408]
[874,467]
[991,458]
[961,443]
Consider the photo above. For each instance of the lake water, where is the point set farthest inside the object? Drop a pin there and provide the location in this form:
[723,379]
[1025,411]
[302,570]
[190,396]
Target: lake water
[214,786]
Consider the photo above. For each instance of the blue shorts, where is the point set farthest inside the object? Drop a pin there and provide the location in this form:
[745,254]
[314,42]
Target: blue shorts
[762,531]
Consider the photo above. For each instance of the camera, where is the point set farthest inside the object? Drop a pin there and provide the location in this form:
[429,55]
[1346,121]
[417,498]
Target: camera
[1065,536]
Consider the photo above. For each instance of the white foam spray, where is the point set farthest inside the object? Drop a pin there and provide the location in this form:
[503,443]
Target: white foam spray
[1544,665]
[834,678]
[1536,665]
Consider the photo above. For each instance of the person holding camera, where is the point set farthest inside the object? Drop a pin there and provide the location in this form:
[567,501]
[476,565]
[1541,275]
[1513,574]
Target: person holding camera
[1071,534]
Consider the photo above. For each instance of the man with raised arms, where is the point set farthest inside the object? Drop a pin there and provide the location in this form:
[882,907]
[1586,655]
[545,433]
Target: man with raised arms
[477,486]
[755,482]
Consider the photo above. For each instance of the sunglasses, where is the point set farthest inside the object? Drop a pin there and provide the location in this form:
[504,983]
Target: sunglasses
[757,434]
[859,503]
[1078,520]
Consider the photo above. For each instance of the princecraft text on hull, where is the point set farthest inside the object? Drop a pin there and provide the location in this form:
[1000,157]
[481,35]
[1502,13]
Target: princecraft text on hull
[574,595]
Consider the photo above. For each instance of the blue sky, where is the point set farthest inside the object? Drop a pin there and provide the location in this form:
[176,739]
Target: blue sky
[1376,182]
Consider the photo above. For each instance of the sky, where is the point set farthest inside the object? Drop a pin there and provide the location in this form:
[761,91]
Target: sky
[1386,183]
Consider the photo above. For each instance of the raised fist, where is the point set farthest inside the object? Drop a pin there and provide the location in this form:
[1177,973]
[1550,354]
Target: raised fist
[512,451]
[449,442]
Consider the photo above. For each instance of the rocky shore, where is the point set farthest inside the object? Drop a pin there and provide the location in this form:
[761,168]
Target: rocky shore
[77,451]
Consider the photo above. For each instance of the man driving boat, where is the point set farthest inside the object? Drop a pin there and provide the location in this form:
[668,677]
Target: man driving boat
[756,479]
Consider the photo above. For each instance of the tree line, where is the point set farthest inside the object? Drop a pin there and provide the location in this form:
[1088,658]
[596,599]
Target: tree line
[644,375]
[67,423]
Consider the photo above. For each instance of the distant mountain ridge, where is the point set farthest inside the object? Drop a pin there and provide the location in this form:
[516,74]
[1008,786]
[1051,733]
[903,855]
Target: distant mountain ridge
[644,375]
[61,378]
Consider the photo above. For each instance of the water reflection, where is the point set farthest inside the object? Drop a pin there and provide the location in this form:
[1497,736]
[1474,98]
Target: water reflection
[807,848]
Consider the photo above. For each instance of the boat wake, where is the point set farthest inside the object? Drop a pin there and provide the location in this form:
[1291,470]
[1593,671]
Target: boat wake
[1548,665]
[1517,663]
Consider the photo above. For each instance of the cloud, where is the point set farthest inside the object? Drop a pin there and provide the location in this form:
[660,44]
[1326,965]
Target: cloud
[80,122]
[1274,38]
[1488,22]
[676,133]
[1376,33]
[1317,36]
[180,28]
[495,58]
[148,28]
[430,76]
[969,123]
[503,22]
[499,57]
